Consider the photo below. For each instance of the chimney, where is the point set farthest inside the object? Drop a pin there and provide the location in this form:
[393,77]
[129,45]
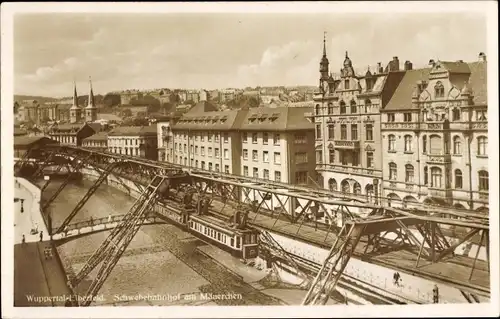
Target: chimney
[482,57]
[408,66]
[380,69]
[432,63]
[395,64]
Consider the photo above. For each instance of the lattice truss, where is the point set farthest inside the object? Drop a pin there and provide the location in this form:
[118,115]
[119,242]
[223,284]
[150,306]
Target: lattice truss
[347,220]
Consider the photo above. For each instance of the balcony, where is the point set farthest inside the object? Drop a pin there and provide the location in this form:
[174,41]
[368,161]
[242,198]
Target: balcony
[439,159]
[344,144]
[437,192]
[400,126]
[479,125]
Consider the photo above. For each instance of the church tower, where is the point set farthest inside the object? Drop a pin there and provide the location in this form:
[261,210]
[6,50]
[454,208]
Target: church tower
[74,111]
[323,67]
[91,109]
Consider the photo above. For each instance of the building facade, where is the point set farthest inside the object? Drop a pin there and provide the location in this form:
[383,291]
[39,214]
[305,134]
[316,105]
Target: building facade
[165,138]
[71,134]
[435,137]
[98,141]
[265,143]
[138,141]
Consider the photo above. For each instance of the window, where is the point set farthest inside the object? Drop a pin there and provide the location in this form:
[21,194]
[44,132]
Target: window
[482,145]
[481,115]
[217,154]
[391,117]
[277,176]
[369,132]
[300,158]
[265,138]
[342,107]
[202,137]
[266,174]
[354,131]
[393,171]
[216,137]
[196,150]
[210,166]
[277,158]
[332,185]
[345,187]
[343,132]
[483,181]
[203,165]
[457,146]
[331,132]
[277,139]
[301,177]
[300,138]
[354,108]
[436,146]
[317,109]
[346,84]
[209,151]
[355,158]
[318,132]
[319,157]
[455,114]
[255,156]
[185,148]
[331,156]
[226,154]
[436,177]
[196,165]
[424,144]
[369,159]
[330,108]
[343,157]
[408,141]
[254,138]
[203,151]
[357,189]
[265,157]
[245,170]
[245,154]
[216,167]
[392,143]
[368,106]
[209,137]
[192,162]
[426,175]
[458,179]
[407,117]
[255,172]
[245,137]
[409,173]
[439,90]
[226,138]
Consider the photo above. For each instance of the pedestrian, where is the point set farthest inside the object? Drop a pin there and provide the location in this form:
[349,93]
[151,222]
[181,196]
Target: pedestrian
[24,239]
[41,235]
[22,205]
[396,278]
[91,221]
[435,294]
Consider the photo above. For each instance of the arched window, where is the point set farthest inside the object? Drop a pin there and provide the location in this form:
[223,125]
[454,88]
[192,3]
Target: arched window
[439,90]
[342,107]
[345,186]
[458,179]
[357,188]
[483,181]
[408,141]
[436,145]
[369,192]
[426,175]
[393,171]
[424,144]
[354,108]
[317,109]
[455,114]
[409,173]
[392,143]
[482,145]
[330,108]
[368,106]
[457,145]
[332,185]
[436,177]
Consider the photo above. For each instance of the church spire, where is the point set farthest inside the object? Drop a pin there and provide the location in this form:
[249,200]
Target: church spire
[324,44]
[91,103]
[75,96]
[323,64]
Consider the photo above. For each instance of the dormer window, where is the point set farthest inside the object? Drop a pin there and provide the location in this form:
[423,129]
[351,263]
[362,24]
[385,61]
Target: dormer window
[346,84]
[369,84]
[439,90]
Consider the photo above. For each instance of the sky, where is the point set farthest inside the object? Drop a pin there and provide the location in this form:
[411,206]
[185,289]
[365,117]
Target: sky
[218,50]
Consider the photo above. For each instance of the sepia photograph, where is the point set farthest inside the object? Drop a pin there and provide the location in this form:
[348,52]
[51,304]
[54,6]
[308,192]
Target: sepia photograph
[187,157]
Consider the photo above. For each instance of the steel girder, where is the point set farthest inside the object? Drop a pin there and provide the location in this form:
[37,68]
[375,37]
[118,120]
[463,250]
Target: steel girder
[115,244]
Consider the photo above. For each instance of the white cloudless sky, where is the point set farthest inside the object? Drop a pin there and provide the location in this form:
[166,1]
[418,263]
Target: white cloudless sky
[217,50]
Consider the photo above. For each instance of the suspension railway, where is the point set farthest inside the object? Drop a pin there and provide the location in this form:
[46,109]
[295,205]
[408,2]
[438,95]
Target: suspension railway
[200,200]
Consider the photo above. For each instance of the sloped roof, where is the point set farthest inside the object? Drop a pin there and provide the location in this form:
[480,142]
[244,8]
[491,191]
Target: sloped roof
[133,131]
[455,67]
[101,136]
[109,117]
[277,119]
[68,127]
[478,82]
[203,121]
[30,140]
[401,99]
[95,126]
[203,106]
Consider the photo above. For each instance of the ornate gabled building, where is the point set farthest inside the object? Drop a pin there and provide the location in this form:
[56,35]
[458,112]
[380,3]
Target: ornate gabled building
[347,127]
[435,136]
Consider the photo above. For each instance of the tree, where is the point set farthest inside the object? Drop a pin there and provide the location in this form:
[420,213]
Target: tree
[126,113]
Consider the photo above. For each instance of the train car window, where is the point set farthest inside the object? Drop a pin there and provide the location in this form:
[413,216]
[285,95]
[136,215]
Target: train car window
[232,242]
[218,236]
[238,242]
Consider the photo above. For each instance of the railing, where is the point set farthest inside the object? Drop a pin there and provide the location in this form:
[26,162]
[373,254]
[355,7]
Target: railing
[438,159]
[347,168]
[346,144]
[401,125]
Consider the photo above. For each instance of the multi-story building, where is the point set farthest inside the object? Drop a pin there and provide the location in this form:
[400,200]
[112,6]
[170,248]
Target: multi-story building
[434,136]
[134,141]
[266,143]
[98,141]
[165,137]
[347,127]
[71,134]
